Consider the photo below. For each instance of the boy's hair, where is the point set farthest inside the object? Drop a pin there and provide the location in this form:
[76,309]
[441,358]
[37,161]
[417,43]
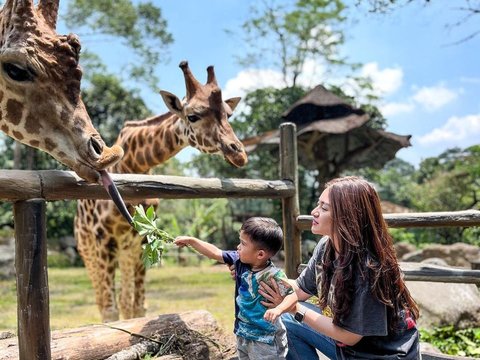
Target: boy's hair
[265,233]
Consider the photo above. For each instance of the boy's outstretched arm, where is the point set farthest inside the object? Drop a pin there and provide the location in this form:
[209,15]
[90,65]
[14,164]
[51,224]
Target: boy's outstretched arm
[204,248]
[286,305]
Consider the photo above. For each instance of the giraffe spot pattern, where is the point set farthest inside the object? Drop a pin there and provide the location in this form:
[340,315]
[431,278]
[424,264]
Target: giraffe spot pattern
[17,135]
[14,111]
[32,126]
[50,144]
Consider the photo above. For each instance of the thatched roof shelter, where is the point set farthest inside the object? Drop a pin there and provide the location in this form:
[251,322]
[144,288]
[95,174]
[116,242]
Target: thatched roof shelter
[333,136]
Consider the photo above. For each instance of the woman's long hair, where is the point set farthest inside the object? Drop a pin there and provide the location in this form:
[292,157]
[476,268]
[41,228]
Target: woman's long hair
[364,246]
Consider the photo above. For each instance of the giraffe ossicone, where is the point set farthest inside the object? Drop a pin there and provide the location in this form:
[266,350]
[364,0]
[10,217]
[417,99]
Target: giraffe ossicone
[105,239]
[40,103]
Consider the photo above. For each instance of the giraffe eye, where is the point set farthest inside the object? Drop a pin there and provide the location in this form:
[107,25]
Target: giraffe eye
[192,118]
[17,73]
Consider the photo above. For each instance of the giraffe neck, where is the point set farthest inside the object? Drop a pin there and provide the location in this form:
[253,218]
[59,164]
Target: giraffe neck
[150,142]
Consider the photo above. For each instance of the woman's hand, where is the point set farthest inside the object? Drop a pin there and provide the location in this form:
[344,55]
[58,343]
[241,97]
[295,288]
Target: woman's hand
[271,293]
[232,271]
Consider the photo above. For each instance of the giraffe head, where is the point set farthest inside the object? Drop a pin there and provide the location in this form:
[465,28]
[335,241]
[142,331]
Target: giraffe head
[205,116]
[40,102]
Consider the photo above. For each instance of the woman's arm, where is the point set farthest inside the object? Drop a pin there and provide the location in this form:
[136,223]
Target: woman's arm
[316,321]
[324,325]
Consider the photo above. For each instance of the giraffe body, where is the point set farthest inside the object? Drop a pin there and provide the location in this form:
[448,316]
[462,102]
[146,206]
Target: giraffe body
[40,102]
[104,237]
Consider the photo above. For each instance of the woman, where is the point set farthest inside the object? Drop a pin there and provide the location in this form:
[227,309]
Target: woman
[366,311]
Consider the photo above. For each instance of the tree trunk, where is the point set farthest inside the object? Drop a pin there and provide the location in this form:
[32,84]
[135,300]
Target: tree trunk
[193,335]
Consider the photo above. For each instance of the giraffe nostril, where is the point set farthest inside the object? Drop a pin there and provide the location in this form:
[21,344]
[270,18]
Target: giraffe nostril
[235,147]
[95,146]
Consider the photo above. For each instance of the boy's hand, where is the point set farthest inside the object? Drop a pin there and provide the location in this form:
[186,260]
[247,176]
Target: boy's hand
[272,315]
[182,241]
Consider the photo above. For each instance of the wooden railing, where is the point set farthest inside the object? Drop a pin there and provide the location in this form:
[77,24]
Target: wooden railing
[29,190]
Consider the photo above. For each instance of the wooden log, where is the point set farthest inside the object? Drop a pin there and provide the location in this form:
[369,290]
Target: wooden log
[465,218]
[32,280]
[194,334]
[290,205]
[66,185]
[433,273]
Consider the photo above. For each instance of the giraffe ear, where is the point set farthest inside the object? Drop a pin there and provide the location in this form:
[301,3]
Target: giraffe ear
[233,102]
[173,103]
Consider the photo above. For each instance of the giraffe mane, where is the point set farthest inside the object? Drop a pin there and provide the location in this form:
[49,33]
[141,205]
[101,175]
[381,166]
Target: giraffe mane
[153,120]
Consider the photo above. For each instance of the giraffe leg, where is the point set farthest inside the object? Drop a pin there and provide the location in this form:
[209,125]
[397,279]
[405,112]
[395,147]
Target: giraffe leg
[139,300]
[108,307]
[127,271]
[87,249]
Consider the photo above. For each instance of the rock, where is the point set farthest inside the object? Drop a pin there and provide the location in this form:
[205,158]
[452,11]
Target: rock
[458,254]
[7,260]
[435,261]
[444,304]
[402,248]
[427,347]
[415,256]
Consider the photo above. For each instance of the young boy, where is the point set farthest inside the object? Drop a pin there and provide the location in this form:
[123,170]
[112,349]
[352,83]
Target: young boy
[260,239]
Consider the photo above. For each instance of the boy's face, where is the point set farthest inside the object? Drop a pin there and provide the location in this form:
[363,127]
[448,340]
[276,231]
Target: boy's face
[247,251]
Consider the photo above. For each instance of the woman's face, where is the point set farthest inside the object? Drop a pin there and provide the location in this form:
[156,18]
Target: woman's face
[322,219]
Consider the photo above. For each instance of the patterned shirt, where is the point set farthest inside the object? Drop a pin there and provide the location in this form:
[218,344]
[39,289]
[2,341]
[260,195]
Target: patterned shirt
[249,322]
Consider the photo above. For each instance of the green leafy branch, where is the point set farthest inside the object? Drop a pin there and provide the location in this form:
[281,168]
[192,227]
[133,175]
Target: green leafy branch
[147,225]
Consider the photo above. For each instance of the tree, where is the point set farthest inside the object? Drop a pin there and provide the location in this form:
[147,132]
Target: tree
[138,25]
[110,104]
[449,182]
[468,9]
[288,35]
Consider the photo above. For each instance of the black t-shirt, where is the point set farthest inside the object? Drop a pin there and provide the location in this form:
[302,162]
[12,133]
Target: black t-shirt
[367,317]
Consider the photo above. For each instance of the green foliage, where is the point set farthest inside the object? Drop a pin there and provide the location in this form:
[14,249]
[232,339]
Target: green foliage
[59,218]
[207,219]
[147,225]
[454,342]
[139,25]
[287,35]
[448,182]
[110,104]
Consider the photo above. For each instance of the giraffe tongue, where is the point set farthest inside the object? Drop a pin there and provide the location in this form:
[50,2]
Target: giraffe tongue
[112,190]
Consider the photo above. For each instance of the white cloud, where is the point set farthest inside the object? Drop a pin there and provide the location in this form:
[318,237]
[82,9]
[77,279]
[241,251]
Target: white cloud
[457,131]
[395,108]
[435,97]
[252,79]
[313,73]
[385,81]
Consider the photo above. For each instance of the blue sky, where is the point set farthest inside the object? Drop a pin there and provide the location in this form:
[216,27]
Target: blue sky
[430,89]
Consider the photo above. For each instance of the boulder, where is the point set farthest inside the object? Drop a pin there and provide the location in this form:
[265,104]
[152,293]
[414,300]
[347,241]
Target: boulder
[403,247]
[458,254]
[444,304]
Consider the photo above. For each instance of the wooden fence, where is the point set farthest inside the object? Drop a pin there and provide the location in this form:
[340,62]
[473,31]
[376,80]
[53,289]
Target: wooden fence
[29,190]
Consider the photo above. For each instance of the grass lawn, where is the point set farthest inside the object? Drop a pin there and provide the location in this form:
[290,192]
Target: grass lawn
[170,289]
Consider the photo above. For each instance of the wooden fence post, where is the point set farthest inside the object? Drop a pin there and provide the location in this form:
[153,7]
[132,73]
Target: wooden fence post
[290,205]
[32,280]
